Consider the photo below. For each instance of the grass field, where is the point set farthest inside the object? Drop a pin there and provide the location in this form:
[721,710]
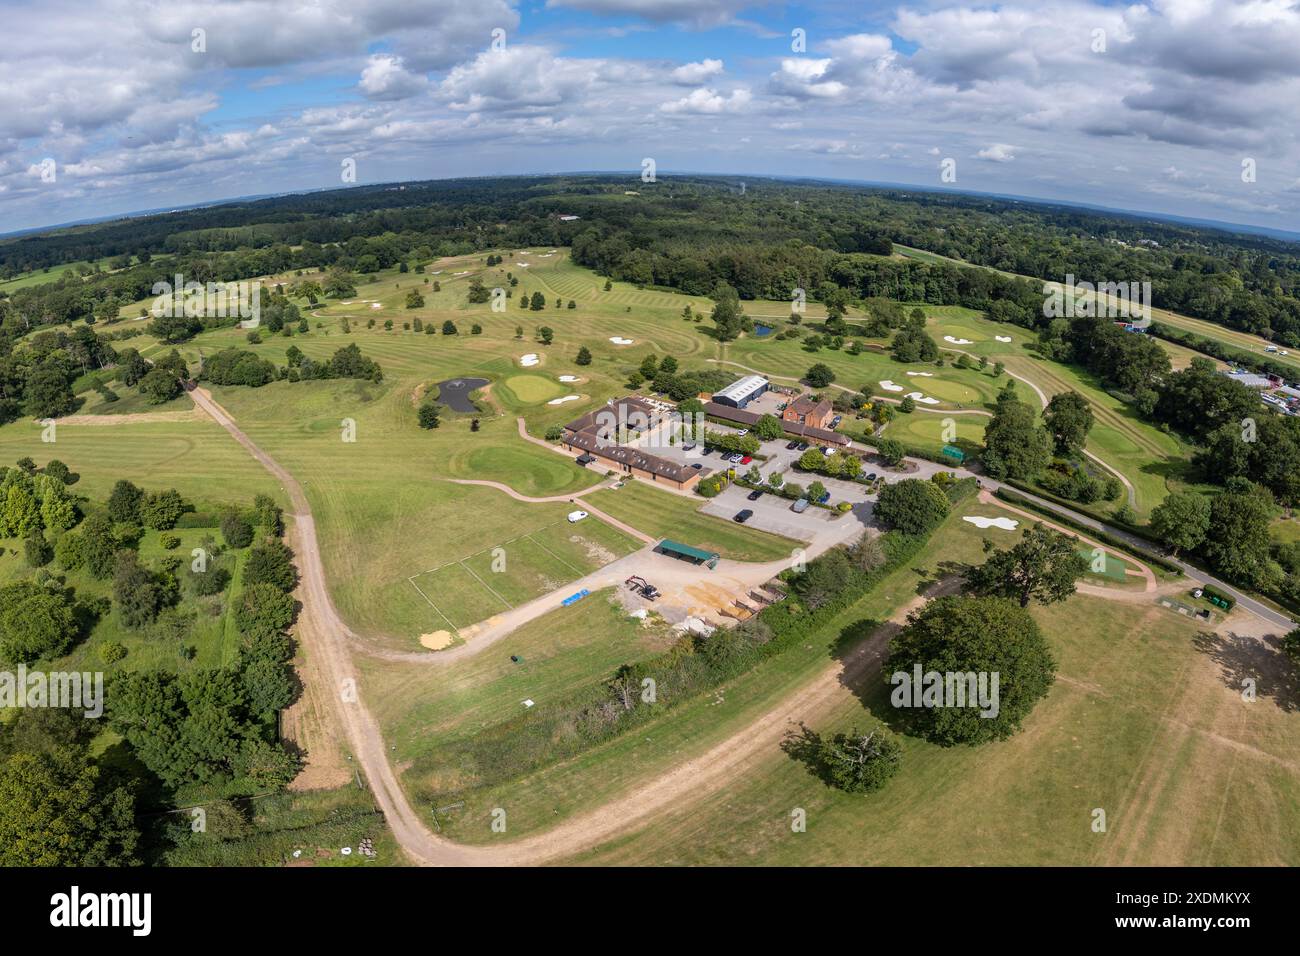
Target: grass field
[548,796]
[673,516]
[515,571]
[382,512]
[1145,721]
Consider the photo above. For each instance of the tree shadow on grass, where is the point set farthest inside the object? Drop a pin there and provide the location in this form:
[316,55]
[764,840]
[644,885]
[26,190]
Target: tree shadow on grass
[1242,658]
[805,746]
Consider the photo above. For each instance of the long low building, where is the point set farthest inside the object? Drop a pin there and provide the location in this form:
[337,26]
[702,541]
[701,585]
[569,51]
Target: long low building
[739,416]
[597,433]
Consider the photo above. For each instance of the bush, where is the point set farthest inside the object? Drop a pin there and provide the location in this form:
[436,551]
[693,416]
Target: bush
[912,506]
[237,530]
[170,542]
[110,652]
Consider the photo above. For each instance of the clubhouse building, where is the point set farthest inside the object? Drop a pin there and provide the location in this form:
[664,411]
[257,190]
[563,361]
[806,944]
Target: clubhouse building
[610,435]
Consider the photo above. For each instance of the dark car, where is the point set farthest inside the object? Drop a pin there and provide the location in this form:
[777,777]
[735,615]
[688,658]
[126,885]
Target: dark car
[754,495]
[697,465]
[803,446]
[792,445]
[743,516]
[824,498]
[871,477]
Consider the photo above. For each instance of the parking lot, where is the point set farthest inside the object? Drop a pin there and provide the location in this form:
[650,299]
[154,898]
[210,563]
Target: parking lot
[772,512]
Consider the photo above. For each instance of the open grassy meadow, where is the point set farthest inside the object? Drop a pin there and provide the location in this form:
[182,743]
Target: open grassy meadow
[1145,721]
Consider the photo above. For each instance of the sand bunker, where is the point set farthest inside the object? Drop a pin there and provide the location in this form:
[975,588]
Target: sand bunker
[436,641]
[529,359]
[1006,524]
[922,374]
[568,378]
[523,265]
[955,341]
[619,340]
[889,386]
[563,399]
[375,305]
[922,398]
[1003,338]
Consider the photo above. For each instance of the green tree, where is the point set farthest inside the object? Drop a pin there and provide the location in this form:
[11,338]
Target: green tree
[124,502]
[584,356]
[58,808]
[35,622]
[1239,547]
[236,529]
[160,386]
[913,506]
[271,562]
[1043,566]
[160,511]
[768,427]
[1015,445]
[860,763]
[137,595]
[1068,418]
[891,450]
[428,415]
[970,636]
[263,610]
[819,375]
[1182,520]
[48,394]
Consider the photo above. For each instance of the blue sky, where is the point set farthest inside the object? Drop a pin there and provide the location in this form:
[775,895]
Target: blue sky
[1187,107]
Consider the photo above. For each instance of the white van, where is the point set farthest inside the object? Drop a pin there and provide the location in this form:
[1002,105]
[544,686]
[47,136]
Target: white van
[576,516]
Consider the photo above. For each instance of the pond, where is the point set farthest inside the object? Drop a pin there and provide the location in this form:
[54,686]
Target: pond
[761,330]
[455,392]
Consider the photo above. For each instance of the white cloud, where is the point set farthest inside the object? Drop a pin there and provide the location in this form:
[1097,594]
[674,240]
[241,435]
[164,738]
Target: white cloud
[386,78]
[998,153]
[705,100]
[691,74]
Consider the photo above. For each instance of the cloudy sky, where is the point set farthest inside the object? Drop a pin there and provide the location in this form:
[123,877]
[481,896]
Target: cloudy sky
[1190,107]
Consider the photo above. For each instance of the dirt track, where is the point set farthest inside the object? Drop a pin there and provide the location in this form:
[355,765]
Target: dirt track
[327,640]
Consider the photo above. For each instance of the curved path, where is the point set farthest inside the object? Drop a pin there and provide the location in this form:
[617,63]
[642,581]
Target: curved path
[326,638]
[1130,491]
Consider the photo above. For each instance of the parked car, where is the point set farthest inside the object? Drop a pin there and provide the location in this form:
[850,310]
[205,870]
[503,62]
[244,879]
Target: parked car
[800,506]
[747,459]
[688,446]
[828,451]
[697,465]
[754,495]
[736,458]
[824,498]
[871,477]
[743,432]
[576,516]
[792,445]
[802,446]
[836,420]
[743,516]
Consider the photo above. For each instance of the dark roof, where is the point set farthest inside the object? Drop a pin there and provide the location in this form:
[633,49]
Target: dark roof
[676,547]
[635,457]
[628,409]
[742,417]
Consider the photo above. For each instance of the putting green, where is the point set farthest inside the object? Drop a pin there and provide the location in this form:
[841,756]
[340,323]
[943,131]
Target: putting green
[532,389]
[953,392]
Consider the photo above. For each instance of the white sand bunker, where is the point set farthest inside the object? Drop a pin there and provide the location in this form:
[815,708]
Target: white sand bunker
[619,340]
[1006,524]
[889,386]
[523,265]
[568,378]
[529,359]
[465,273]
[1003,338]
[562,400]
[375,305]
[922,398]
[922,374]
[956,341]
